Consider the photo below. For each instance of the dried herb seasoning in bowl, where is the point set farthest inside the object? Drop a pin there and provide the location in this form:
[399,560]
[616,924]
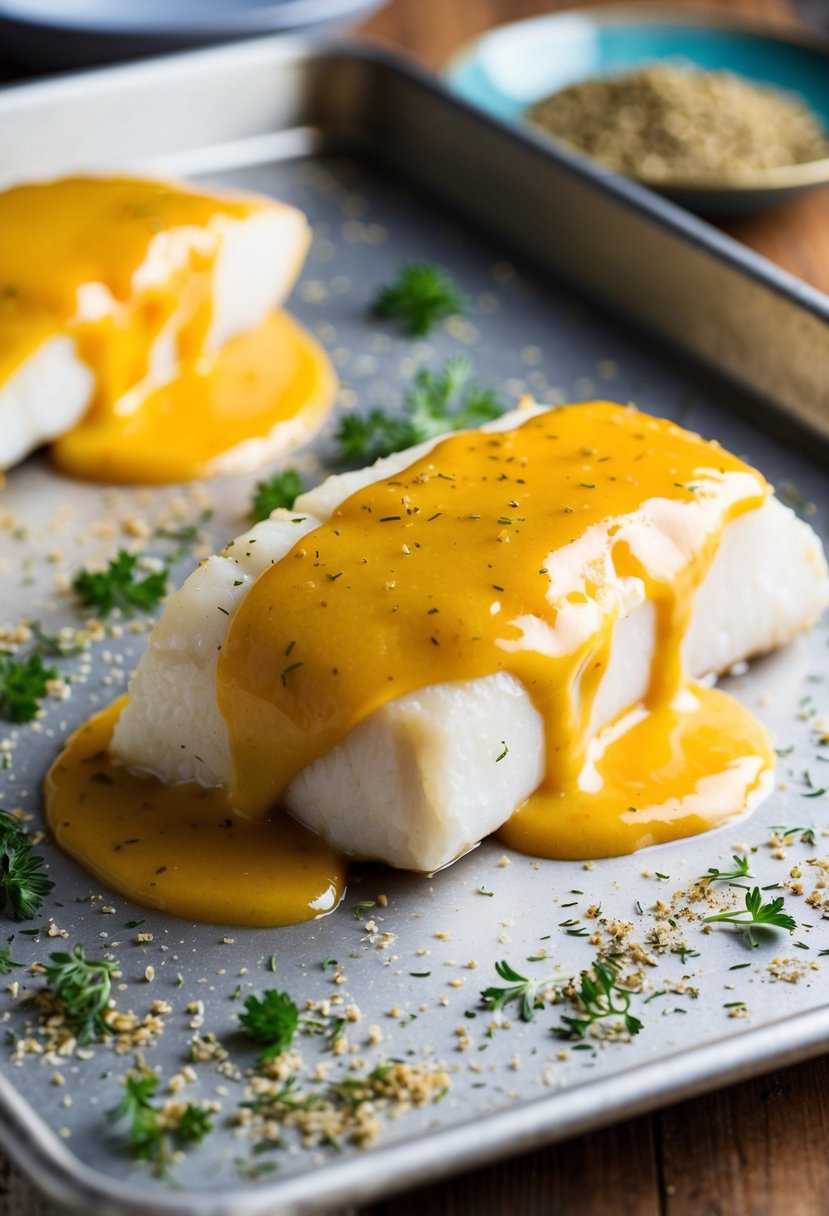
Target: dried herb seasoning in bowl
[721,113]
[666,123]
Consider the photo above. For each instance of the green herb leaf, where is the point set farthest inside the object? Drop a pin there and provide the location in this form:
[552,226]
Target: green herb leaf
[435,403]
[145,1132]
[742,869]
[7,963]
[599,997]
[83,987]
[23,880]
[756,912]
[521,989]
[807,835]
[281,490]
[118,586]
[149,1133]
[363,440]
[22,684]
[420,296]
[194,1124]
[270,1020]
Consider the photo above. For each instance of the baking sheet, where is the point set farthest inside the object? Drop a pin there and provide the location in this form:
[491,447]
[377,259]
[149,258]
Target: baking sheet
[518,1086]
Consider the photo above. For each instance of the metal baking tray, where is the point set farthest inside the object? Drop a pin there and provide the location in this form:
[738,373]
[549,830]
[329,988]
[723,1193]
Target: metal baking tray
[580,285]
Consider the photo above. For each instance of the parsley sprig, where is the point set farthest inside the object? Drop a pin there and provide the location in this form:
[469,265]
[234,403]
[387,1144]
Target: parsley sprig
[120,587]
[149,1131]
[23,880]
[22,685]
[281,490]
[521,988]
[598,997]
[437,402]
[83,988]
[742,869]
[271,1020]
[419,297]
[770,915]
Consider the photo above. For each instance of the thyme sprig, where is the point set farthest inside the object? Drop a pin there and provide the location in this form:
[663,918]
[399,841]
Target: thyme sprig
[742,869]
[598,998]
[83,988]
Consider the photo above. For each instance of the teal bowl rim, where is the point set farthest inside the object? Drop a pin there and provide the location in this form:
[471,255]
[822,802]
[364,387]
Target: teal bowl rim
[782,178]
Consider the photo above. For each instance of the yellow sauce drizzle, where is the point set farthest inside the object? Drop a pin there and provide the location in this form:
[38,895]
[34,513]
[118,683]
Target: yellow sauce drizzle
[181,849]
[671,772]
[431,575]
[77,259]
[257,381]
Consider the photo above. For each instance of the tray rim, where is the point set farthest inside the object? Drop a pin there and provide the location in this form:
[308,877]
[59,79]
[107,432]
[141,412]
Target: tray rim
[562,1113]
[290,48]
[389,1169]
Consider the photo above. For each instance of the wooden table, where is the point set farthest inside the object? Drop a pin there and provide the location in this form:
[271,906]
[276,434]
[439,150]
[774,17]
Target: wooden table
[758,1149]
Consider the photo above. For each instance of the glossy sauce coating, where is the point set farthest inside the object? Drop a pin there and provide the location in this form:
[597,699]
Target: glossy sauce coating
[459,566]
[270,376]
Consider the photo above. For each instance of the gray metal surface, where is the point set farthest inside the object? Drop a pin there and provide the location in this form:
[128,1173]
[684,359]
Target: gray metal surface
[252,118]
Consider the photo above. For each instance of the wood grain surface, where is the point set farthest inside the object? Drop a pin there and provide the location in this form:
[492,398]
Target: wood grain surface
[757,1149]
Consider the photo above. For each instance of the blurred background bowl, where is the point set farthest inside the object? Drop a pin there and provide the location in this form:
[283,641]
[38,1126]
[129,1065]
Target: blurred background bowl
[69,33]
[509,68]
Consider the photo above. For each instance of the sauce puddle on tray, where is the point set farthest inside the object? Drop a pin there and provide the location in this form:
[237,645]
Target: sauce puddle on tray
[181,848]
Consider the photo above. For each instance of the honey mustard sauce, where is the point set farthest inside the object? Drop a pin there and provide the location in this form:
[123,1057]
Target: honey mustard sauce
[125,267]
[274,376]
[512,551]
[515,550]
[181,848]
